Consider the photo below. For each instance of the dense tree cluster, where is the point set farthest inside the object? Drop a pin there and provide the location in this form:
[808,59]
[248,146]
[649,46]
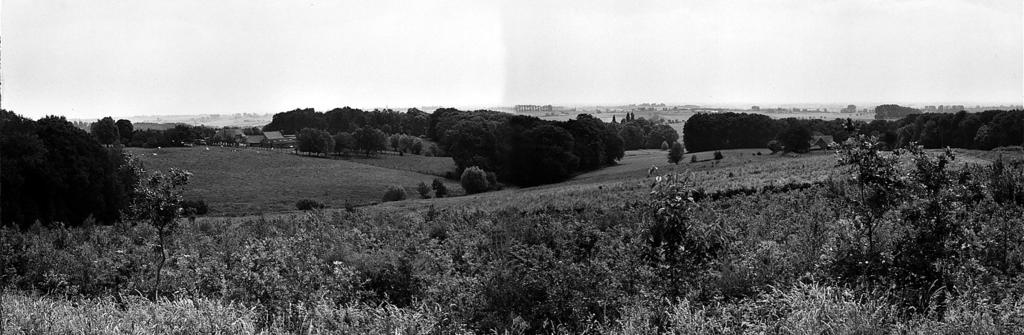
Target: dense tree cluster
[355,130]
[413,122]
[796,138]
[402,144]
[985,130]
[707,131]
[640,133]
[525,150]
[56,172]
[315,141]
[369,140]
[716,131]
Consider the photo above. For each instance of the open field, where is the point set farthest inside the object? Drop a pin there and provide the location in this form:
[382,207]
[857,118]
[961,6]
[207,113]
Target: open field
[244,181]
[436,166]
[286,178]
[628,181]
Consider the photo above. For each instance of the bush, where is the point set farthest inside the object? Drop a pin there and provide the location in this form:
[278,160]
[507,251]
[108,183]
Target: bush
[474,180]
[492,181]
[693,158]
[424,190]
[195,207]
[796,139]
[680,245]
[308,204]
[439,189]
[664,145]
[718,155]
[774,146]
[394,193]
[676,153]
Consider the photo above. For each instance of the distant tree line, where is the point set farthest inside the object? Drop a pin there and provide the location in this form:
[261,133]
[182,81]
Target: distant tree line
[54,171]
[178,136]
[986,130]
[893,112]
[109,132]
[717,131]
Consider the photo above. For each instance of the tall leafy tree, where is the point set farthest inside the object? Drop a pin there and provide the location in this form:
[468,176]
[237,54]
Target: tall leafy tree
[370,140]
[544,156]
[105,131]
[343,142]
[125,130]
[632,137]
[315,141]
[588,141]
[659,134]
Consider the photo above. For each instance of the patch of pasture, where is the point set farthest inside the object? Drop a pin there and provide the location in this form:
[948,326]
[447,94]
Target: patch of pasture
[239,181]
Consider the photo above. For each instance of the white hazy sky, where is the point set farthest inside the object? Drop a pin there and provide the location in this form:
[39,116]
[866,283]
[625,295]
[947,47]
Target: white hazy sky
[93,58]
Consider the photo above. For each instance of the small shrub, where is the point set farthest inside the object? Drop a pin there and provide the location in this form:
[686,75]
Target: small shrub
[440,190]
[423,190]
[308,204]
[774,146]
[474,180]
[394,193]
[693,158]
[492,181]
[718,155]
[676,153]
[195,207]
[664,145]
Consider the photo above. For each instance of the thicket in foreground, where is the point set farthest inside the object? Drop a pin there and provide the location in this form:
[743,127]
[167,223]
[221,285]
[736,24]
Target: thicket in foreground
[794,259]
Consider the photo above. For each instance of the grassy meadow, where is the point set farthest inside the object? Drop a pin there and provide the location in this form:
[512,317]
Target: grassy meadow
[240,181]
[435,166]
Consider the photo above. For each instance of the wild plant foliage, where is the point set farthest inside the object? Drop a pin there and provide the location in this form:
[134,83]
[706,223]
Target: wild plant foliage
[912,220]
[912,242]
[158,201]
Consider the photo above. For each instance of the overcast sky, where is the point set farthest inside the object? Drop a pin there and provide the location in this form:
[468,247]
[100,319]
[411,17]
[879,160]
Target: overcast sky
[86,59]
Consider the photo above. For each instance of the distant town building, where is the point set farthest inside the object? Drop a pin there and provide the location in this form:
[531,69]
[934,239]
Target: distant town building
[850,109]
[254,140]
[533,108]
[755,108]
